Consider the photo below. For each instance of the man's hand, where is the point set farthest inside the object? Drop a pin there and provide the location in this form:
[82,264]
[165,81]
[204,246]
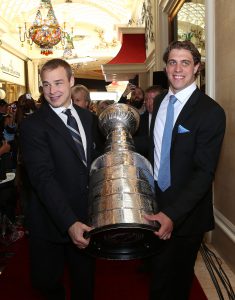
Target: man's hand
[166,223]
[129,88]
[76,232]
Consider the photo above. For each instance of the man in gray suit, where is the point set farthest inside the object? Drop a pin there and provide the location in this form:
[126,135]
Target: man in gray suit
[185,199]
[59,177]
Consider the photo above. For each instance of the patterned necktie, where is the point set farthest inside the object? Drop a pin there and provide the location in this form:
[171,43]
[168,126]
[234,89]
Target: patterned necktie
[164,174]
[74,130]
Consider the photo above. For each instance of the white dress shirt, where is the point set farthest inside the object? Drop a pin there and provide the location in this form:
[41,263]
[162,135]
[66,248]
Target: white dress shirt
[150,118]
[59,112]
[182,98]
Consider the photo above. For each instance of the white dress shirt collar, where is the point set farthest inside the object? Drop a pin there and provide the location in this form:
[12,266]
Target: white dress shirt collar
[184,95]
[59,110]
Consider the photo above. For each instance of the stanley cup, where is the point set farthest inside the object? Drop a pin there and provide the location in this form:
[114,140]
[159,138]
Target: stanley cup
[121,191]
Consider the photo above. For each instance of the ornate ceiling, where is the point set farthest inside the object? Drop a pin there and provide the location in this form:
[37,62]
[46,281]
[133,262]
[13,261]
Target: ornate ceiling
[93,24]
[95,29]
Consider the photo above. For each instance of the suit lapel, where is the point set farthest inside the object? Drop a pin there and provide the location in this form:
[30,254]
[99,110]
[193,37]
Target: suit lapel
[51,118]
[186,112]
[83,118]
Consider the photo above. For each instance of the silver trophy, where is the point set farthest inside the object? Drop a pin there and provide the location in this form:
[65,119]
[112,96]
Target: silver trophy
[121,191]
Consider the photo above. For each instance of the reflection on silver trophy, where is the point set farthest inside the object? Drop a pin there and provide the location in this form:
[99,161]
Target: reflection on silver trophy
[121,191]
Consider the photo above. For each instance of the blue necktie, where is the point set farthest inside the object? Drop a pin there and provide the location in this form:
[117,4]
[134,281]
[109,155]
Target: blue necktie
[164,174]
[74,130]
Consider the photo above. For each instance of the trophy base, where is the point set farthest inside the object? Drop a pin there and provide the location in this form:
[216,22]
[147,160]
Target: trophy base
[123,241]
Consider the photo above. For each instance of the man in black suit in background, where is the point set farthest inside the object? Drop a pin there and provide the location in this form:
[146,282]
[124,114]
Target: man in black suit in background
[59,176]
[141,138]
[184,201]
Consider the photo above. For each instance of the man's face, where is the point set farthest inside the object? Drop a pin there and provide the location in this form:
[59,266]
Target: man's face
[149,99]
[79,98]
[180,69]
[137,95]
[57,87]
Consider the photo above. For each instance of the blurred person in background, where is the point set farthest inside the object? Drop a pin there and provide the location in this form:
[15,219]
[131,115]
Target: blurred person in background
[8,152]
[9,135]
[93,107]
[102,105]
[136,97]
[8,131]
[81,96]
[3,108]
[7,187]
[141,137]
[41,98]
[3,112]
[25,107]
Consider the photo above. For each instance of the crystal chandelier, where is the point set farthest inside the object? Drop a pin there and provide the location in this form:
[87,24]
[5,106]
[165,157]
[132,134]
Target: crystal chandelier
[45,31]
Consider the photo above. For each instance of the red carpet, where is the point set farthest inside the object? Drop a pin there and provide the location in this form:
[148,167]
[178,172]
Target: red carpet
[114,279]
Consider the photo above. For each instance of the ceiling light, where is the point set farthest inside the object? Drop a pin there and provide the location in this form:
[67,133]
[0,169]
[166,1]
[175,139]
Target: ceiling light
[45,30]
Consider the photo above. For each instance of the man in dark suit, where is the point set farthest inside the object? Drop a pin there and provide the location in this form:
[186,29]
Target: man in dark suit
[141,138]
[185,202]
[59,176]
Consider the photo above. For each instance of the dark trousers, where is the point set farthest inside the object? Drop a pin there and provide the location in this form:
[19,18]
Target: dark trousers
[25,190]
[47,260]
[173,268]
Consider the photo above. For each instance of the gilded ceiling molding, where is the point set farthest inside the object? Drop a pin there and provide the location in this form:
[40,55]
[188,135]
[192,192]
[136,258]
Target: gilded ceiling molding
[150,61]
[147,19]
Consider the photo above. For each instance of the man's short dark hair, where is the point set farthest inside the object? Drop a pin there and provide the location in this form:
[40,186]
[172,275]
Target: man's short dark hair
[187,45]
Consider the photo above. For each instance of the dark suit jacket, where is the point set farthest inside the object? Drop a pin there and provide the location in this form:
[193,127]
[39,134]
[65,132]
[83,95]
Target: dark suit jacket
[141,137]
[194,156]
[57,174]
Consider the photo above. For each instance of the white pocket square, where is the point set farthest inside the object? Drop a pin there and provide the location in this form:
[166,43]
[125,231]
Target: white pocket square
[181,129]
